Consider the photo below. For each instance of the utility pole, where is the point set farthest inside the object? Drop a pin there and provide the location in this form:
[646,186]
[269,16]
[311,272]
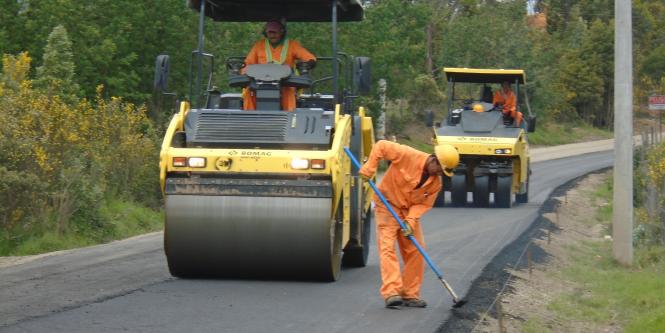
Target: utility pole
[622,216]
[381,123]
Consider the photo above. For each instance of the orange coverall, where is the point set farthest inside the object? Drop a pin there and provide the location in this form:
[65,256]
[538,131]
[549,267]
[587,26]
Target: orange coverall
[509,101]
[258,55]
[398,185]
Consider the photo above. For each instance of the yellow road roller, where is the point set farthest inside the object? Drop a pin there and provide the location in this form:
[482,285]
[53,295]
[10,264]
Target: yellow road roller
[267,193]
[493,146]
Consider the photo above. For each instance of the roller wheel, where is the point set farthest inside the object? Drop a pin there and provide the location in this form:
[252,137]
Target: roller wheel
[356,255]
[458,190]
[523,197]
[334,264]
[504,191]
[481,191]
[172,268]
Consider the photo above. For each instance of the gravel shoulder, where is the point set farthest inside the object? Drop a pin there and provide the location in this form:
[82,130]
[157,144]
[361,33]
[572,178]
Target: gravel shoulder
[521,291]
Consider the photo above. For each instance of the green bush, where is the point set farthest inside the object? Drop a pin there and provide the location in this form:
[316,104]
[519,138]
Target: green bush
[22,198]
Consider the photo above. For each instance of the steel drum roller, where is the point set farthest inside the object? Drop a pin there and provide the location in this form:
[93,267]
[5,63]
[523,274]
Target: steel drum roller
[242,236]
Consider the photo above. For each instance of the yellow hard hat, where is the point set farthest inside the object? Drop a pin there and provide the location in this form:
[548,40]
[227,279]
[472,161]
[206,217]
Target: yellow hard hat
[448,158]
[478,108]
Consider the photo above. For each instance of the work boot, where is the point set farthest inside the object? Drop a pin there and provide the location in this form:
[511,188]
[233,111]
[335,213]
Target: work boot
[392,302]
[415,302]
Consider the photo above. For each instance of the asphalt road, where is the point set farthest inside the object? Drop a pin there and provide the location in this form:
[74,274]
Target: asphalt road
[125,285]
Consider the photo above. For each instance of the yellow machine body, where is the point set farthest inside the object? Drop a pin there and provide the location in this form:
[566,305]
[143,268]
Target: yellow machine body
[494,150]
[246,163]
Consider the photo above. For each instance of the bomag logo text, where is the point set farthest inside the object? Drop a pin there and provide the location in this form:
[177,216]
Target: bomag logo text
[255,153]
[480,139]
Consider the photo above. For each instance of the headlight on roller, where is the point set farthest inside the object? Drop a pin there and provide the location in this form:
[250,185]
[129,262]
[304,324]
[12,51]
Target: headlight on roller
[299,163]
[196,162]
[504,151]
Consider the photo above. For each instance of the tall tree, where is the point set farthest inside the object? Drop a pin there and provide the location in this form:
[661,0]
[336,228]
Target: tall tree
[56,74]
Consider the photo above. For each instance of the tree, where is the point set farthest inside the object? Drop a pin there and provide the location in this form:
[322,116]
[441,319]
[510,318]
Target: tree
[56,74]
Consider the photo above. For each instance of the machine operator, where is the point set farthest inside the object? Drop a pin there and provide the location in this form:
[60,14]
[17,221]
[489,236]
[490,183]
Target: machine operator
[276,48]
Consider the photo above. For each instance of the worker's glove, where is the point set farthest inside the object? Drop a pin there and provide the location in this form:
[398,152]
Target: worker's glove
[408,227]
[364,177]
[311,64]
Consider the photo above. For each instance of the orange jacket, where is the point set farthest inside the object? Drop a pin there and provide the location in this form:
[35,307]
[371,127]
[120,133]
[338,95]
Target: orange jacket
[399,183]
[508,100]
[257,55]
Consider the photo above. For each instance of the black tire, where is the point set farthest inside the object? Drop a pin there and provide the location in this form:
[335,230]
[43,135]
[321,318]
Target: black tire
[440,199]
[458,190]
[481,191]
[356,254]
[524,197]
[503,197]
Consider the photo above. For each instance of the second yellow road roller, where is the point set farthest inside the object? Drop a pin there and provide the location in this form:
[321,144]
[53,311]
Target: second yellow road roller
[492,142]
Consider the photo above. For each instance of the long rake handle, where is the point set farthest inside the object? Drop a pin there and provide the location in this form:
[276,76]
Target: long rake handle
[394,214]
[403,226]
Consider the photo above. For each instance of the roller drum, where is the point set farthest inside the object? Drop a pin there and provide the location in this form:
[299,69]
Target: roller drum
[251,236]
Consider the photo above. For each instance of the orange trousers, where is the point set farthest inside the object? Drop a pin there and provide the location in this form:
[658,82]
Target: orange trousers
[408,281]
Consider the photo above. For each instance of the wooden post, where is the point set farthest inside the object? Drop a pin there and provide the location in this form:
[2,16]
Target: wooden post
[662,218]
[499,315]
[528,259]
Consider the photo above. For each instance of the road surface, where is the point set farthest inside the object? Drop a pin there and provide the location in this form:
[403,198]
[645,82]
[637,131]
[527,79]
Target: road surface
[125,285]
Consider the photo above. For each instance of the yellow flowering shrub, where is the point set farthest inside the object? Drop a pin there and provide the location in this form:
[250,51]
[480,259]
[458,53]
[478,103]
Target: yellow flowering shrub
[78,154]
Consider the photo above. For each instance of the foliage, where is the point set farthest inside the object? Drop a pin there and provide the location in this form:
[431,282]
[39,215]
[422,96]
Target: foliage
[114,44]
[125,219]
[57,71]
[64,158]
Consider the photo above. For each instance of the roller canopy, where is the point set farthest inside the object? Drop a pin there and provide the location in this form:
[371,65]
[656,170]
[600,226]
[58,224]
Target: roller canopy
[291,10]
[473,75]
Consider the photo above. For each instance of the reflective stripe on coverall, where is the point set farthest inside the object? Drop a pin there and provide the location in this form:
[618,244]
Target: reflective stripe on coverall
[398,185]
[287,53]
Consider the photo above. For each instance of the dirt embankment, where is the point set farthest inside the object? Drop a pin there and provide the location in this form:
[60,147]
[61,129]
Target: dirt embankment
[523,279]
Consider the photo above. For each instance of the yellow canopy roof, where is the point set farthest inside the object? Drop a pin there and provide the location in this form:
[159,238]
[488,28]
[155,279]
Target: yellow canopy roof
[478,75]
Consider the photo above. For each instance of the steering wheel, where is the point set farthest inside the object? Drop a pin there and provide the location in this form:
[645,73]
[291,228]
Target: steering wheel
[466,103]
[234,65]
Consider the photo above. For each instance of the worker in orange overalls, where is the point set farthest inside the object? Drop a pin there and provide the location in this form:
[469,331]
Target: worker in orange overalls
[410,185]
[506,98]
[276,48]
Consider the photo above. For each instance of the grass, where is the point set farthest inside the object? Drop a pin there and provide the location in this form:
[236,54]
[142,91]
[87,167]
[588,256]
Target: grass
[534,325]
[422,146]
[120,220]
[609,293]
[551,133]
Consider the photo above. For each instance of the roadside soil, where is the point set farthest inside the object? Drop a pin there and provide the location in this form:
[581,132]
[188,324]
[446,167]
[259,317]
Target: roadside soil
[567,218]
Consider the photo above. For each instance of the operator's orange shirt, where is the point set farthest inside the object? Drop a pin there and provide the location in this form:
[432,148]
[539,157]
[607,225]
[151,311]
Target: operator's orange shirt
[508,100]
[398,185]
[258,55]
